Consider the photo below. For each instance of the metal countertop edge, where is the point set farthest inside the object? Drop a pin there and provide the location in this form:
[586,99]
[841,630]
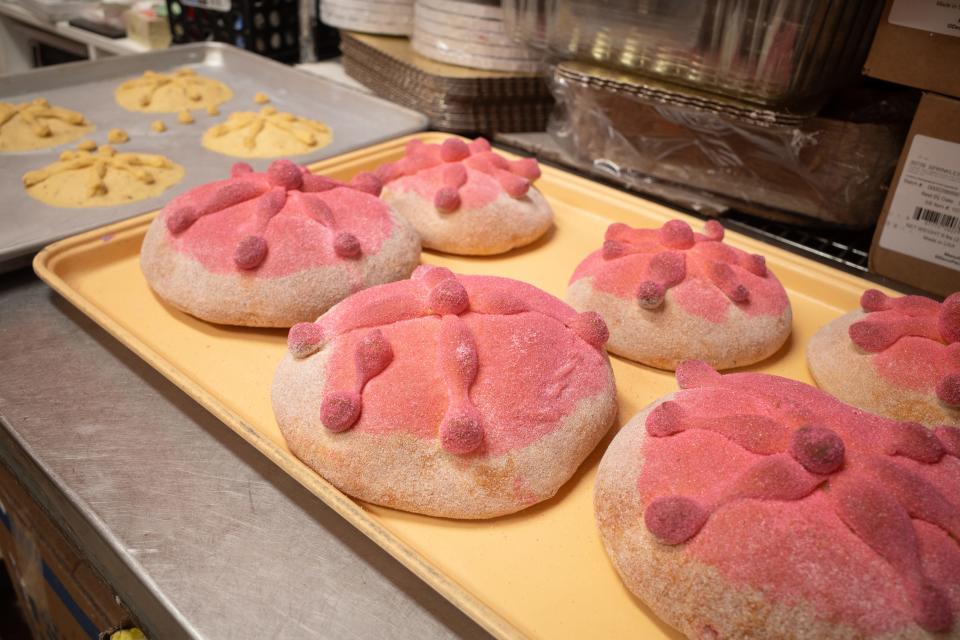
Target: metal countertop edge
[158,617]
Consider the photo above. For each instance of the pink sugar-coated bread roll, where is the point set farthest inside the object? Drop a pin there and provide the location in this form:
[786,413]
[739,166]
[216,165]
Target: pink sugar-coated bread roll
[275,248]
[753,506]
[671,294]
[897,357]
[465,198]
[455,396]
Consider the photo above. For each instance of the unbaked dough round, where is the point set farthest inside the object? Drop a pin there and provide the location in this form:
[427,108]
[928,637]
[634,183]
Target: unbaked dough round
[39,125]
[102,178]
[267,133]
[171,92]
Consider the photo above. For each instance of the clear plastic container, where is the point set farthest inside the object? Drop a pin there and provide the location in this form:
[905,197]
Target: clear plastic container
[785,54]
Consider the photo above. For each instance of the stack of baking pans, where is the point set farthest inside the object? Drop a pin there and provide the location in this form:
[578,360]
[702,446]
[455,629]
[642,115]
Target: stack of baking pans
[454,98]
[387,17]
[469,33]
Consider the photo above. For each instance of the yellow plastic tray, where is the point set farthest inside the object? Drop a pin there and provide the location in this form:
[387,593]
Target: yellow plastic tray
[539,573]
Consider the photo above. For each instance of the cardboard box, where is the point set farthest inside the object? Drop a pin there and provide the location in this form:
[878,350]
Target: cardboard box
[917,240]
[918,44]
[60,593]
[148,28]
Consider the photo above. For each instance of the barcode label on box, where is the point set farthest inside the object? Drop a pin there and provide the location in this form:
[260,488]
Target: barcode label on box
[937,16]
[924,216]
[935,217]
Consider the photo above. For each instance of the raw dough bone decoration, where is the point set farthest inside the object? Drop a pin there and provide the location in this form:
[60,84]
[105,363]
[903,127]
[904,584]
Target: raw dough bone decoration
[33,113]
[300,134]
[171,92]
[440,294]
[136,165]
[38,115]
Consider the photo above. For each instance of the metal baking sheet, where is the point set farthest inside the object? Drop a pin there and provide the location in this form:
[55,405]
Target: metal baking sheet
[538,573]
[26,224]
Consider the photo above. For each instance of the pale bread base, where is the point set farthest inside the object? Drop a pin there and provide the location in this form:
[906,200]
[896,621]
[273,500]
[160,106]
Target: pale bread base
[841,368]
[684,592]
[504,224]
[667,336]
[412,474]
[245,299]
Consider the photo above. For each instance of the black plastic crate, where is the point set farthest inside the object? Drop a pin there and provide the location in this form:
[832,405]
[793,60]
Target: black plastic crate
[268,27]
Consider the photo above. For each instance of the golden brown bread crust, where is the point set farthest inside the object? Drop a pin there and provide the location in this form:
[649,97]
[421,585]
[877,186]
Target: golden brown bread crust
[666,336]
[841,368]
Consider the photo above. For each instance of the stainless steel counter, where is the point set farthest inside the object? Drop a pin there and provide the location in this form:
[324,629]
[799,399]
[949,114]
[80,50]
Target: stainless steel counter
[199,534]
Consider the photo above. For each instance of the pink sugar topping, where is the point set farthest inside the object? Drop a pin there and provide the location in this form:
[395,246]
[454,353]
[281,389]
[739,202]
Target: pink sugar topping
[304,339]
[367,182]
[340,410]
[677,234]
[286,174]
[455,175]
[915,342]
[590,326]
[278,222]
[818,449]
[346,245]
[251,251]
[181,218]
[948,389]
[447,199]
[705,276]
[448,297]
[483,364]
[732,468]
[912,440]
[240,169]
[950,439]
[949,319]
[696,373]
[674,519]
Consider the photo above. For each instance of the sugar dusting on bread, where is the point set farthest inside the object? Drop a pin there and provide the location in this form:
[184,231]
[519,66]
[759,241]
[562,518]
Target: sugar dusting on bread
[636,263]
[275,248]
[278,222]
[916,342]
[466,198]
[816,519]
[672,294]
[493,394]
[362,324]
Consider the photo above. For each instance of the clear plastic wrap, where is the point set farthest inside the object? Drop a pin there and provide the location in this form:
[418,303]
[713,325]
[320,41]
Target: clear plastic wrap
[780,53]
[656,137]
